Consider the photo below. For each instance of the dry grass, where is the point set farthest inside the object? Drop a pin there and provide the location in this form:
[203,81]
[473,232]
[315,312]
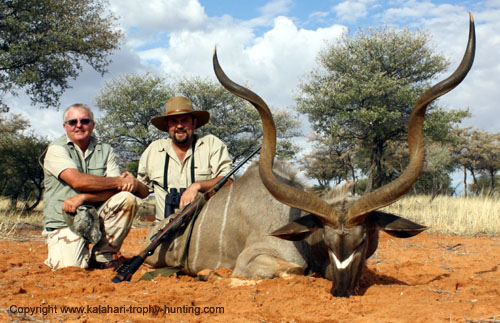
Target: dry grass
[444,214]
[11,221]
[451,215]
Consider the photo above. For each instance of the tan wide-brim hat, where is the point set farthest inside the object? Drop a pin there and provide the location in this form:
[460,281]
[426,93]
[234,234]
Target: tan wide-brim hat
[180,105]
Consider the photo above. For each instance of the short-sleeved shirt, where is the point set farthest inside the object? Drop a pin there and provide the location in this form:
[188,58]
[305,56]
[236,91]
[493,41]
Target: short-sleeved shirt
[211,160]
[62,154]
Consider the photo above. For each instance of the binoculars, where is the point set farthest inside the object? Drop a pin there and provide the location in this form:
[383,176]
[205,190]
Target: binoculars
[172,200]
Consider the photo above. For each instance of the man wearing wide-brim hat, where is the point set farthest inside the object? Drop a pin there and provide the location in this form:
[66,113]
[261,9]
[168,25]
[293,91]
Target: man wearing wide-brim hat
[181,166]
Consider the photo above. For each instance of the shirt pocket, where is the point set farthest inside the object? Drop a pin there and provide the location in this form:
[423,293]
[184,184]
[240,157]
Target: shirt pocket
[202,174]
[96,166]
[156,176]
[97,171]
[58,206]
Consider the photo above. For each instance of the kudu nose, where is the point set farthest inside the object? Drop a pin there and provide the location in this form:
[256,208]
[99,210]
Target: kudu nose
[341,292]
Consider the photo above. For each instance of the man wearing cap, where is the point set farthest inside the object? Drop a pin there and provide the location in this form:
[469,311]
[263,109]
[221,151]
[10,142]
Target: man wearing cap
[86,200]
[177,168]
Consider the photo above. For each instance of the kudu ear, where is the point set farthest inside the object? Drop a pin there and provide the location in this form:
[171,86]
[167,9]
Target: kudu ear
[395,225]
[299,229]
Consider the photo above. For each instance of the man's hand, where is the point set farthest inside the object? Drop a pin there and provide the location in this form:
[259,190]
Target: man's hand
[70,204]
[189,195]
[129,182]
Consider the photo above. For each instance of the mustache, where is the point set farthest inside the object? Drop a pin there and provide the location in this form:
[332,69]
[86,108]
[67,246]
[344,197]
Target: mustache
[180,131]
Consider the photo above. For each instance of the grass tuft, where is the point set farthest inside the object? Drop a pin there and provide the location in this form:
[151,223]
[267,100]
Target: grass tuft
[451,215]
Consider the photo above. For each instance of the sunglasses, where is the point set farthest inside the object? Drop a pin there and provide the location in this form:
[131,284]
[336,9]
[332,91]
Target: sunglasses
[74,122]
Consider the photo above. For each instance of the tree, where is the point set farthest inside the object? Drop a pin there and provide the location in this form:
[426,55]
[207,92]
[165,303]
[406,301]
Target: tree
[130,101]
[464,155]
[482,187]
[43,43]
[328,161]
[439,164]
[21,175]
[488,155]
[235,121]
[478,151]
[364,91]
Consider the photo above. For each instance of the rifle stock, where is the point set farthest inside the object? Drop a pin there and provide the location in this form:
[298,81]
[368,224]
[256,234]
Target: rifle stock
[126,270]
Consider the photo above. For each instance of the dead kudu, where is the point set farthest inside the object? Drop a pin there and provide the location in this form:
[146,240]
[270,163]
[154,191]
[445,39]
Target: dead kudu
[292,231]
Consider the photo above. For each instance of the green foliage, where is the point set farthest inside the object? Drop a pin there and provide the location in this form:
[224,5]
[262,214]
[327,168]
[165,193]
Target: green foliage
[439,124]
[132,167]
[130,101]
[43,42]
[21,176]
[433,183]
[361,185]
[439,164]
[478,151]
[364,91]
[482,187]
[235,121]
[329,161]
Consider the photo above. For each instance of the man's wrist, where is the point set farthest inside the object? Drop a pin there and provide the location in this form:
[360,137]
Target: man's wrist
[196,186]
[120,182]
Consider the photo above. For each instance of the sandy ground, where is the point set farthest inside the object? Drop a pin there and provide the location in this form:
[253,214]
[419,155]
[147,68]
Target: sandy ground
[428,278]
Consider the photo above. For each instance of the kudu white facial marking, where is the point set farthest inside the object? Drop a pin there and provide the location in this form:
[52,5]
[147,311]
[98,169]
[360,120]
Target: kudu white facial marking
[342,264]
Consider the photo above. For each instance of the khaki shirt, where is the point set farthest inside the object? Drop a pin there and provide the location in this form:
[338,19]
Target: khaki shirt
[211,159]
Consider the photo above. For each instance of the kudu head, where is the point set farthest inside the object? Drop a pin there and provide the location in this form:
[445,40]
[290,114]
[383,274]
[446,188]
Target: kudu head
[349,225]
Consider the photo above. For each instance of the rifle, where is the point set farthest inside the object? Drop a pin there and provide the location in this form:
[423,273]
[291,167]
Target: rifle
[166,234]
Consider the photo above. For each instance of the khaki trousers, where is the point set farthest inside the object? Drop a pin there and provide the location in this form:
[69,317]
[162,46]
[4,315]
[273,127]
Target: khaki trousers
[66,248]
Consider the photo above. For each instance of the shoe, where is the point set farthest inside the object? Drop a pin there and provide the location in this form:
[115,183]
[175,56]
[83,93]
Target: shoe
[102,265]
[115,263]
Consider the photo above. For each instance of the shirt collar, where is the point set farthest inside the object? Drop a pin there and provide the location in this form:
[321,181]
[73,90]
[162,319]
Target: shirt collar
[166,146]
[93,142]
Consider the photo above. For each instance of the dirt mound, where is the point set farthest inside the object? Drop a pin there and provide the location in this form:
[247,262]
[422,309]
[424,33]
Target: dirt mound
[428,278]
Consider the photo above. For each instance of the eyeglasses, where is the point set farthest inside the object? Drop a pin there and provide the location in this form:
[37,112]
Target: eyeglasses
[74,122]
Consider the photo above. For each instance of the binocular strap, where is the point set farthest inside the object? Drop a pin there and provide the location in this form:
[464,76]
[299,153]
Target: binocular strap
[165,170]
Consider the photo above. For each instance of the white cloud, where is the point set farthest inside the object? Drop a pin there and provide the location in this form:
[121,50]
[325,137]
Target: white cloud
[276,8]
[352,10]
[277,60]
[160,15]
[151,21]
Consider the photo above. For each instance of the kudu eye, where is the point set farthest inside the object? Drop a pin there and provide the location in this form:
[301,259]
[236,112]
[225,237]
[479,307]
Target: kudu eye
[361,241]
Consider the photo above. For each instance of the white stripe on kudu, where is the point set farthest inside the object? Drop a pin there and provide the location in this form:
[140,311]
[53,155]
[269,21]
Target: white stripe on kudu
[223,225]
[197,248]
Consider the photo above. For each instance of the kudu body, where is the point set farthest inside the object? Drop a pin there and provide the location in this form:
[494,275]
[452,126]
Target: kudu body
[264,226]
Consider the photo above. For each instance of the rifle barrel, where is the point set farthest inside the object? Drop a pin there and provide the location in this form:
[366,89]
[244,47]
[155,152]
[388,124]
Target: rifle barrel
[241,163]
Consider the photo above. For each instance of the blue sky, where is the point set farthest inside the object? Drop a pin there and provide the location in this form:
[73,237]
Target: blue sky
[270,45]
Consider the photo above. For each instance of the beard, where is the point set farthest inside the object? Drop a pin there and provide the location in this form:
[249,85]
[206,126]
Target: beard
[183,141]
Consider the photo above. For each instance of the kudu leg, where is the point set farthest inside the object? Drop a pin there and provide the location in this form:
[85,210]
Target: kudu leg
[258,262]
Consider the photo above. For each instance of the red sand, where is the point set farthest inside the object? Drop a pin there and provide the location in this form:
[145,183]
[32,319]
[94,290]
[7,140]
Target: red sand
[427,278]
